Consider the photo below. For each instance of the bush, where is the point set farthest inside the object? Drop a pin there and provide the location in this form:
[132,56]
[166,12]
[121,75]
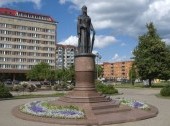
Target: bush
[63,86]
[106,89]
[16,88]
[165,91]
[31,87]
[24,86]
[4,92]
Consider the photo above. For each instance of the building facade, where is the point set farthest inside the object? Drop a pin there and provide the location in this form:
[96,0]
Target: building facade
[65,56]
[117,71]
[25,40]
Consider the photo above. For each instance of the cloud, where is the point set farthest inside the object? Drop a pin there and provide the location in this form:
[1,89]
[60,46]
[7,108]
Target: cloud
[128,17]
[72,40]
[167,41]
[123,44]
[62,1]
[117,58]
[101,41]
[7,2]
[95,52]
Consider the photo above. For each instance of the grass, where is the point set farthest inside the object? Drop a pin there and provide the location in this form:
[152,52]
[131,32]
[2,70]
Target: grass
[34,96]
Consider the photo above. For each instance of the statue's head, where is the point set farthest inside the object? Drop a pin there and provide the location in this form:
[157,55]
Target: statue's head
[84,9]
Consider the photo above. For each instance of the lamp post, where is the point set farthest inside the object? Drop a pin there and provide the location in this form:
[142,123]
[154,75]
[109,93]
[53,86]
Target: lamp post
[98,58]
[131,70]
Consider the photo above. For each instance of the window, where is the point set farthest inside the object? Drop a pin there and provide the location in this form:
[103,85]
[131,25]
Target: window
[1,59]
[1,45]
[2,25]
[2,32]
[7,46]
[2,38]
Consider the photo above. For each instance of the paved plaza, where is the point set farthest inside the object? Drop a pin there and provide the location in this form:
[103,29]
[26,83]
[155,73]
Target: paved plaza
[146,95]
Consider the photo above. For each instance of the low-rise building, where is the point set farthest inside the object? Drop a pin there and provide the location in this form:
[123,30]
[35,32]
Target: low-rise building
[117,70]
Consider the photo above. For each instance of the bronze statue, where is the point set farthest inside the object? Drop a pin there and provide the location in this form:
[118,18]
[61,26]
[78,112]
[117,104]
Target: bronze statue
[84,26]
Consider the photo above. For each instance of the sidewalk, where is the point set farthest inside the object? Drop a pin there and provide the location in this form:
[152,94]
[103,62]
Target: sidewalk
[14,93]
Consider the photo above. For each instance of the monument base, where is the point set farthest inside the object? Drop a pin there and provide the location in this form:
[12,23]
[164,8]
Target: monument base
[84,91]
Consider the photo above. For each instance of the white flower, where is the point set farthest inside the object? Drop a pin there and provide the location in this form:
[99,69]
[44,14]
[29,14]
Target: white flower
[38,108]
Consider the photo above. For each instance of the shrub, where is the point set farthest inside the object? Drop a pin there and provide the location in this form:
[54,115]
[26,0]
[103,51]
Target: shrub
[165,91]
[4,92]
[31,87]
[24,86]
[56,87]
[16,88]
[63,86]
[106,89]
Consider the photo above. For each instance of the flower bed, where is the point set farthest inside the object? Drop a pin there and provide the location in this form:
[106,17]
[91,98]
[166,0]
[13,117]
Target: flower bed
[44,109]
[134,104]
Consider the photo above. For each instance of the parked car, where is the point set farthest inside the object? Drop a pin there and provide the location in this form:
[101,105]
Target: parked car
[15,82]
[45,82]
[8,81]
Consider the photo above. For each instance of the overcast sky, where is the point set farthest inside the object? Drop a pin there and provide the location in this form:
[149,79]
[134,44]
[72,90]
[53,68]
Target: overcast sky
[118,23]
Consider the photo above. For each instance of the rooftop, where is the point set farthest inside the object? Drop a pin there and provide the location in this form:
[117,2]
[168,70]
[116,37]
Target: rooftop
[16,13]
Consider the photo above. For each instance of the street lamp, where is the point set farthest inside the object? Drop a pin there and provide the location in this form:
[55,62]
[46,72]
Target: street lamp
[132,58]
[98,58]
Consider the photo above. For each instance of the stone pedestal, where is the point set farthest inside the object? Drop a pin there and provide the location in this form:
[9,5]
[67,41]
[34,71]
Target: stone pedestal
[84,91]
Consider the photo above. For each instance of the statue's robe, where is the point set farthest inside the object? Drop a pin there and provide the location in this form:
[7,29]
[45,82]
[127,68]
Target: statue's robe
[83,28]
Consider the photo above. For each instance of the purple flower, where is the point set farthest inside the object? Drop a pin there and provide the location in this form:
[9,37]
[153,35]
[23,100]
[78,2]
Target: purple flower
[137,104]
[36,109]
[68,112]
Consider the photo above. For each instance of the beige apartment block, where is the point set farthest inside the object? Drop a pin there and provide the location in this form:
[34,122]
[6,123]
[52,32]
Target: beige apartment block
[117,70]
[25,40]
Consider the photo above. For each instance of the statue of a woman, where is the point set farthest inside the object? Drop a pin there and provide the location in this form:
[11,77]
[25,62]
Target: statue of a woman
[84,26]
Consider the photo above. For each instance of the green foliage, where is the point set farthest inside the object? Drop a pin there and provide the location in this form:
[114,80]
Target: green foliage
[49,106]
[133,74]
[4,92]
[106,89]
[165,91]
[65,74]
[41,71]
[99,70]
[152,57]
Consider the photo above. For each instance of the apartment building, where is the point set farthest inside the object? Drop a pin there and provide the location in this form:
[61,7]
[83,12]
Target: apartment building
[117,70]
[25,40]
[65,56]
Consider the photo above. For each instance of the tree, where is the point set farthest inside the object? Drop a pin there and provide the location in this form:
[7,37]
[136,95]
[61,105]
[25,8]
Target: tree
[99,70]
[66,74]
[41,71]
[132,74]
[151,56]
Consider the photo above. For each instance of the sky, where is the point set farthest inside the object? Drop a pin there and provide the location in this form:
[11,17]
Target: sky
[118,23]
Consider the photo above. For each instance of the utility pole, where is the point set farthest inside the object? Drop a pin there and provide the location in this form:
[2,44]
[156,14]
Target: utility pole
[98,58]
